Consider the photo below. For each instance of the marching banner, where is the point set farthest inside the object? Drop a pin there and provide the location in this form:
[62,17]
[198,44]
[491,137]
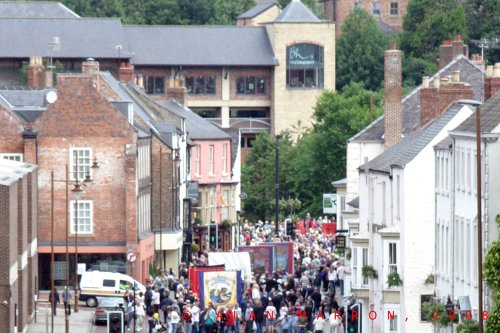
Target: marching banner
[220,288]
[193,275]
[261,257]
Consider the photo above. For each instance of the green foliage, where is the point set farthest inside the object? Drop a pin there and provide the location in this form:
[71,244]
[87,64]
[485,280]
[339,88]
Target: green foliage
[468,326]
[428,23]
[311,4]
[429,280]
[483,21]
[492,266]
[163,11]
[360,51]
[415,68]
[493,322]
[394,280]
[431,311]
[369,272]
[227,223]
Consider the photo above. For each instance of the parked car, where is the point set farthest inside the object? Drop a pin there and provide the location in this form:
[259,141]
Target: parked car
[109,304]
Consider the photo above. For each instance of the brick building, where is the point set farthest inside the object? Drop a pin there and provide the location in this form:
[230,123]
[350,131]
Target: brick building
[263,77]
[388,13]
[18,243]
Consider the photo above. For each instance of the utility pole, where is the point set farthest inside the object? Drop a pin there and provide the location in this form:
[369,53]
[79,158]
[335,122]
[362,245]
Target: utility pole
[479,222]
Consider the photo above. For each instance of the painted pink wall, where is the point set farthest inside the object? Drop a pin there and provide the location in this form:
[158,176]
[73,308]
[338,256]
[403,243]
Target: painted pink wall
[204,177]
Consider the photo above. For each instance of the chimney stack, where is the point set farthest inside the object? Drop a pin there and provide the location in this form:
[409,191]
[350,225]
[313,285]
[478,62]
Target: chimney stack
[91,67]
[176,90]
[36,76]
[393,110]
[492,81]
[126,71]
[433,101]
[450,49]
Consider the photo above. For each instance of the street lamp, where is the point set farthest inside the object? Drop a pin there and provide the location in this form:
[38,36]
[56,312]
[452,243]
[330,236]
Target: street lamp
[78,193]
[277,184]
[450,307]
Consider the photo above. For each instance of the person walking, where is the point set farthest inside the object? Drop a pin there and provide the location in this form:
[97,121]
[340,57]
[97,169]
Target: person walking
[139,314]
[174,319]
[54,300]
[249,318]
[67,297]
[195,312]
[210,318]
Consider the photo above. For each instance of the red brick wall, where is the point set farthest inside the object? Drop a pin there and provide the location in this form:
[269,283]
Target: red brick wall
[453,92]
[428,104]
[163,202]
[11,129]
[237,72]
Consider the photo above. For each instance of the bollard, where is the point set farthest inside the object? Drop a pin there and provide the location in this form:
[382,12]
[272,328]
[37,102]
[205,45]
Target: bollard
[151,323]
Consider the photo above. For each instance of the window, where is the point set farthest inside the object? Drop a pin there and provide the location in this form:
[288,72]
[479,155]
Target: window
[197,160]
[250,85]
[155,85]
[108,283]
[206,113]
[376,8]
[81,215]
[201,85]
[384,203]
[211,160]
[398,197]
[247,142]
[81,160]
[394,9]
[304,66]
[355,267]
[358,5]
[249,113]
[224,158]
[468,173]
[424,299]
[391,318]
[393,324]
[446,175]
[12,157]
[393,261]
[225,205]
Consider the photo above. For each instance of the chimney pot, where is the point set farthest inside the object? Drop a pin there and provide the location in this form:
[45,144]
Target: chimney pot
[436,83]
[456,76]
[458,38]
[444,80]
[393,46]
[496,70]
[489,70]
[425,82]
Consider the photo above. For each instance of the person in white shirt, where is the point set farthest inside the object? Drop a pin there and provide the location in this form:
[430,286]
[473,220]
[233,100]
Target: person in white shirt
[270,315]
[156,299]
[195,311]
[319,323]
[332,277]
[340,276]
[139,313]
[174,319]
[335,321]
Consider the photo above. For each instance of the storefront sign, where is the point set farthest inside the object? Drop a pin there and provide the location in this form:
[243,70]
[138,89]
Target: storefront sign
[340,242]
[304,54]
[192,189]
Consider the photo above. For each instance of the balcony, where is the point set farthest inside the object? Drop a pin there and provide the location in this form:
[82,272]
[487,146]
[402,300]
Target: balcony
[246,125]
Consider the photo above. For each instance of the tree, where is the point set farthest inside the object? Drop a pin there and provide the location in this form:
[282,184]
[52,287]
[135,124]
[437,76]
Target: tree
[483,21]
[492,278]
[226,11]
[258,172]
[360,51]
[428,22]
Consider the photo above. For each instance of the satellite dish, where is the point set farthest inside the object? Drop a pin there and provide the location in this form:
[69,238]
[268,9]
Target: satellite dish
[51,97]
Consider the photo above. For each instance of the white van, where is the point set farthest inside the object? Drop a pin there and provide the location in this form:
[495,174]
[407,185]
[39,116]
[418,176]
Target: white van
[96,284]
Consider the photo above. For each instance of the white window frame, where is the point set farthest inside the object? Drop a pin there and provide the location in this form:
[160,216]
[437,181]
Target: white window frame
[197,160]
[12,157]
[397,8]
[224,159]
[357,274]
[379,5]
[72,217]
[387,262]
[388,324]
[211,149]
[85,168]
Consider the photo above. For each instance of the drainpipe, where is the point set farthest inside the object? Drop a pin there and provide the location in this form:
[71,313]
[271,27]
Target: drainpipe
[486,216]
[452,218]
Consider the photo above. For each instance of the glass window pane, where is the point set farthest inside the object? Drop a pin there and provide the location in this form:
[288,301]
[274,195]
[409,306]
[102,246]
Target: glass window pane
[190,85]
[250,85]
[200,85]
[210,88]
[261,85]
[240,85]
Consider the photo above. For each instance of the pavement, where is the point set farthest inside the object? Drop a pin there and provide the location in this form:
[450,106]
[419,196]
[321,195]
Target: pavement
[79,322]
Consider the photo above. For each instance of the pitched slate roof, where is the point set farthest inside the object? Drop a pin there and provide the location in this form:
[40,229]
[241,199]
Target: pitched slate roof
[260,8]
[444,144]
[80,38]
[410,146]
[296,11]
[22,9]
[200,45]
[490,117]
[198,128]
[26,104]
[469,73]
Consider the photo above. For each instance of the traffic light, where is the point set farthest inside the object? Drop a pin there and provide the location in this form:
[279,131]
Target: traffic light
[213,237]
[354,318]
[288,227]
[115,322]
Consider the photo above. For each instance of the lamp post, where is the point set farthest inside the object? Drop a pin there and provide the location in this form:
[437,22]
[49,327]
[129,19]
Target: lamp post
[52,293]
[162,265]
[479,221]
[277,184]
[66,290]
[78,192]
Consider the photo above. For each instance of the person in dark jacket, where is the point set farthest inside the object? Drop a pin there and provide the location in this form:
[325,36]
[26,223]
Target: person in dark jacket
[54,300]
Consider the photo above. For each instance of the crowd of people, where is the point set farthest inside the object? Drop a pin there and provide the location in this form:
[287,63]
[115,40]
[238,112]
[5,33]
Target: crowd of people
[272,302]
